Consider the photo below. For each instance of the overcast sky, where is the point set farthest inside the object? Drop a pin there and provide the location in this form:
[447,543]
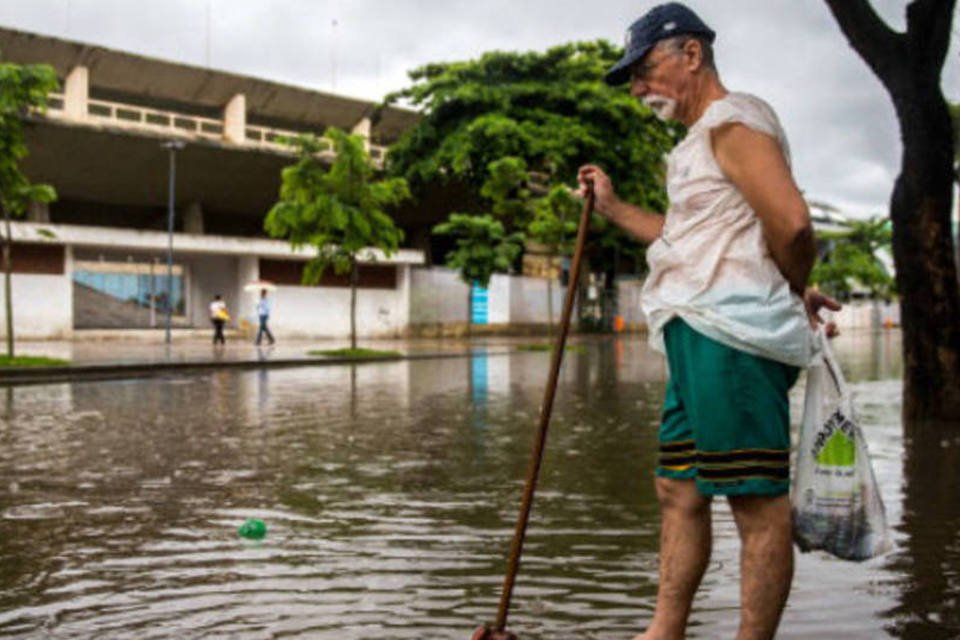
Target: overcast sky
[840,122]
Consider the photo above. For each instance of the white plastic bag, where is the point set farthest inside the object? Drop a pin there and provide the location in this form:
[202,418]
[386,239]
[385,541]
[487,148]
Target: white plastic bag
[836,503]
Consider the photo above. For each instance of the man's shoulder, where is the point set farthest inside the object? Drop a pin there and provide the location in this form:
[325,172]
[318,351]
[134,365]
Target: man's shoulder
[746,109]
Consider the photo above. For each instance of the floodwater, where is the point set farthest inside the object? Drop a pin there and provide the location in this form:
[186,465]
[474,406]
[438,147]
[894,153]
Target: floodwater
[390,493]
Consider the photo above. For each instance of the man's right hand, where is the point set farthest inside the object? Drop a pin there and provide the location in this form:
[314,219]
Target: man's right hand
[642,225]
[604,197]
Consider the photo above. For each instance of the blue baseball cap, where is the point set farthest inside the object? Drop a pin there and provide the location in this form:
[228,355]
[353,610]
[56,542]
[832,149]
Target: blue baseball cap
[661,22]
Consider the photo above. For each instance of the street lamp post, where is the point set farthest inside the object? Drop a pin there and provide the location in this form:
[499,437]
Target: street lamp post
[172,146]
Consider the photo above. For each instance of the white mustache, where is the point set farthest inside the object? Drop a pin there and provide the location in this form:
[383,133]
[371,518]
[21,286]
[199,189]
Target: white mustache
[662,106]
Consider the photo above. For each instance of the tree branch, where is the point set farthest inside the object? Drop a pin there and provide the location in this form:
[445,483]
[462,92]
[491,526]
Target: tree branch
[870,36]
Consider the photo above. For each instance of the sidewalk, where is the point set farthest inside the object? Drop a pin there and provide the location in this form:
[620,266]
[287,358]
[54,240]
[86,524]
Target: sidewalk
[148,354]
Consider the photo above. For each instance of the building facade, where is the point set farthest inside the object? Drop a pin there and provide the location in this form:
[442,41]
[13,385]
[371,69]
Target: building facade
[97,257]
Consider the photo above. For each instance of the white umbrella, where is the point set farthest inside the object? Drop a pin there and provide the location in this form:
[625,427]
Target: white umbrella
[259,285]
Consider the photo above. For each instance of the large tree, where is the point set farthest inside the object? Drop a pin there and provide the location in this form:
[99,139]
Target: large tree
[338,208]
[550,109]
[22,88]
[909,65]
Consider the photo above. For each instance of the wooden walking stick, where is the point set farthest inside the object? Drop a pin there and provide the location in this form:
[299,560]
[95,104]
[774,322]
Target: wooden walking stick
[499,631]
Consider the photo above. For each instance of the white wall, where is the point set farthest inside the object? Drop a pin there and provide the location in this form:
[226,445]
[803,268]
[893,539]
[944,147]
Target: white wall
[437,296]
[528,300]
[210,275]
[42,306]
[864,314]
[628,301]
[498,299]
[325,311]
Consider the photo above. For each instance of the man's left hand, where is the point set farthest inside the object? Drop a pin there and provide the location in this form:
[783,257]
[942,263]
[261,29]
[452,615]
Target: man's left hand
[814,300]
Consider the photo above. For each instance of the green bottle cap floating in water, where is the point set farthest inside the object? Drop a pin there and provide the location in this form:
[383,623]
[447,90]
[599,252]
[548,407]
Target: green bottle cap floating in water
[253,529]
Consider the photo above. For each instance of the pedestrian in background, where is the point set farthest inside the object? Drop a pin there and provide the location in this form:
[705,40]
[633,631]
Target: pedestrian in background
[218,316]
[263,311]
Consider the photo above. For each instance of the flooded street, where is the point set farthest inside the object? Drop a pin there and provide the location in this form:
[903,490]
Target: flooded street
[390,493]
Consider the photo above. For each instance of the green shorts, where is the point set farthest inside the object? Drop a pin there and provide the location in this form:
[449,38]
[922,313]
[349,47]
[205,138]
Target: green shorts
[726,417]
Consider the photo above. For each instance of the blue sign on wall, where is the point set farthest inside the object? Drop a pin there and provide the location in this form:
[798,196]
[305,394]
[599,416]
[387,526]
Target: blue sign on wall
[478,296]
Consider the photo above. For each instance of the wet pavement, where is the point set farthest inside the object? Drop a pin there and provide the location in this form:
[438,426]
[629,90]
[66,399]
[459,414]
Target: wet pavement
[390,492]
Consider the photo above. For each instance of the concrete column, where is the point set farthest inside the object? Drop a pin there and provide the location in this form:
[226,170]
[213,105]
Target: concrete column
[38,212]
[68,274]
[248,270]
[235,119]
[363,128]
[76,93]
[193,218]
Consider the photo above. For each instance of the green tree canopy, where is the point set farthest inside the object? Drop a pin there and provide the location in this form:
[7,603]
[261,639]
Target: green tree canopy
[551,110]
[482,246]
[339,209]
[853,263]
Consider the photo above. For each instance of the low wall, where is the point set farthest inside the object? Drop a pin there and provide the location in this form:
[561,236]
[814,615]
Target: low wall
[42,306]
[628,303]
[865,314]
[437,297]
[438,300]
[300,311]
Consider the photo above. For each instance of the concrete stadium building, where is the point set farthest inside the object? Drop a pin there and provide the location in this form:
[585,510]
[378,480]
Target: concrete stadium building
[96,258]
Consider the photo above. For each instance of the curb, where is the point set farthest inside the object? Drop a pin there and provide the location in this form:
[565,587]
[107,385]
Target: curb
[70,373]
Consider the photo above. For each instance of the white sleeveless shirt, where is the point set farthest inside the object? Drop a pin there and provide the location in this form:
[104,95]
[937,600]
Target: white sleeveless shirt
[711,265]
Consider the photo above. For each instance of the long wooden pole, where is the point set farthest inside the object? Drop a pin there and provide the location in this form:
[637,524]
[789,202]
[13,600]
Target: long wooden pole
[536,459]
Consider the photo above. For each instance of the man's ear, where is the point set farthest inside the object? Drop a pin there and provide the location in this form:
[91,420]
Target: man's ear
[693,54]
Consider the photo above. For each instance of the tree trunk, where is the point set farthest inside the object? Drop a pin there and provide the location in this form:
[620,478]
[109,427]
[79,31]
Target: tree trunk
[909,65]
[353,303]
[7,280]
[469,310]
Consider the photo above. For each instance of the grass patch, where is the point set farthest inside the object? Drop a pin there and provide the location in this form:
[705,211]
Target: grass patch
[31,361]
[354,353]
[539,346]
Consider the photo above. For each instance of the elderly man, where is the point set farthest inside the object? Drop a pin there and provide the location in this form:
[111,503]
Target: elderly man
[726,300]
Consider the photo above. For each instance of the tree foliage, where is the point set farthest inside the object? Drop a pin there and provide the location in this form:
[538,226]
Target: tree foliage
[549,112]
[23,88]
[483,247]
[853,262]
[338,209]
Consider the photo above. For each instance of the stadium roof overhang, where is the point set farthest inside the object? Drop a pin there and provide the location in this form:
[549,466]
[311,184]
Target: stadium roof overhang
[160,81]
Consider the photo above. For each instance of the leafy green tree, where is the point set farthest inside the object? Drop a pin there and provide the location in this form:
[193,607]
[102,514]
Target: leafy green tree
[551,109]
[340,209]
[23,88]
[852,260]
[482,249]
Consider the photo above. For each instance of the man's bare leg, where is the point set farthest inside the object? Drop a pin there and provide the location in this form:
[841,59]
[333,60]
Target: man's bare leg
[685,540]
[766,562]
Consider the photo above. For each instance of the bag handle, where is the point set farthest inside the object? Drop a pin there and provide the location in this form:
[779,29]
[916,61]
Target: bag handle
[833,368]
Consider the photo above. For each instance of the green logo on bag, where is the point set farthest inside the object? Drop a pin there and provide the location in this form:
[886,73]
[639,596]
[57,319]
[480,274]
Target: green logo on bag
[835,445]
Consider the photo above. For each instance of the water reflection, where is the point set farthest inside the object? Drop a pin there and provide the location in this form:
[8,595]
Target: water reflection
[390,492]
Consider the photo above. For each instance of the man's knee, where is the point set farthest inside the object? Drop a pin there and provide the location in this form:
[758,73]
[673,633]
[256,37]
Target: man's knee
[681,495]
[760,514]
